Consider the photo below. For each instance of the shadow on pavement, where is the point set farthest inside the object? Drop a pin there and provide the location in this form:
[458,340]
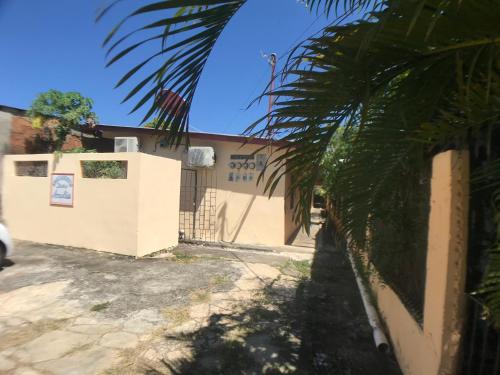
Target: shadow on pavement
[314,325]
[6,263]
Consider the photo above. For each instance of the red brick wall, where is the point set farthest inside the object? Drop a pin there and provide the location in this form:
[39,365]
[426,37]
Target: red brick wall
[24,139]
[72,141]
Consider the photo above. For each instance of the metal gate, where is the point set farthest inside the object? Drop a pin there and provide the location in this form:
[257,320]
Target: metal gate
[197,215]
[481,344]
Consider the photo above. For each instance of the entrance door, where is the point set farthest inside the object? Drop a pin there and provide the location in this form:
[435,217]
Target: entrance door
[197,216]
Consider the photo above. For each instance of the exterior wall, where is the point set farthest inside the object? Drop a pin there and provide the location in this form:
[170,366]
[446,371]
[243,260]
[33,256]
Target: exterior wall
[108,214]
[290,203]
[434,348]
[158,204]
[245,214]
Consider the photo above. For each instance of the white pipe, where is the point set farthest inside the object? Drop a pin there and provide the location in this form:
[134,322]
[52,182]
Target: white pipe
[381,342]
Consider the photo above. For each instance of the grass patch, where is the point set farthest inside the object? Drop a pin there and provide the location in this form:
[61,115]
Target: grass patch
[219,280]
[183,257]
[176,315]
[200,296]
[297,268]
[100,306]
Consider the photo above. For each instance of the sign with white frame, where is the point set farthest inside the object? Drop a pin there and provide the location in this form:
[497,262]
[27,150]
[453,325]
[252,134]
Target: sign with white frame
[62,189]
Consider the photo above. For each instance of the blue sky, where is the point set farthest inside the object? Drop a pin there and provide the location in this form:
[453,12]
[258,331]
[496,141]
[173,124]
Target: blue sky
[56,44]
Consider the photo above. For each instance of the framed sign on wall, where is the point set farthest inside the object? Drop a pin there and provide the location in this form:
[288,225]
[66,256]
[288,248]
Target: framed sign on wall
[62,189]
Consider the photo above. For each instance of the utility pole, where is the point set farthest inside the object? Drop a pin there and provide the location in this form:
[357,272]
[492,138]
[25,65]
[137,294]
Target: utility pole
[272,61]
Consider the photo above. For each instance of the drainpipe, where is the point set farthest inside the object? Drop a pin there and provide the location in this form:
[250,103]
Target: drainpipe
[381,342]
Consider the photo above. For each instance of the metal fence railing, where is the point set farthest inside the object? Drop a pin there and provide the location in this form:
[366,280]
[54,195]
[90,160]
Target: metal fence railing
[481,355]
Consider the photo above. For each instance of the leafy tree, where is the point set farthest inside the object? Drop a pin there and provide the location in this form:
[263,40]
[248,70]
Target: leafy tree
[69,110]
[153,124]
[335,157]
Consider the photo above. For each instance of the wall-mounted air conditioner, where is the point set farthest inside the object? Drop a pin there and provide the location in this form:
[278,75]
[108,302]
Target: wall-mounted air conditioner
[201,157]
[126,144]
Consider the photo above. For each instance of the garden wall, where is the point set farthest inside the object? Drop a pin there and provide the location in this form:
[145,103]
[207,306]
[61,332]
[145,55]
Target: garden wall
[434,347]
[133,216]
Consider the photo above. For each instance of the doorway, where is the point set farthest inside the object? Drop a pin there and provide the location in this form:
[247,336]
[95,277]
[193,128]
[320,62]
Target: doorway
[198,205]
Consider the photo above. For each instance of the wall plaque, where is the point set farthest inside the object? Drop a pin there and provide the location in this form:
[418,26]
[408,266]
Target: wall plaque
[62,189]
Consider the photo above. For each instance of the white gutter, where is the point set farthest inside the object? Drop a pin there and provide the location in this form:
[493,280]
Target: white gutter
[381,342]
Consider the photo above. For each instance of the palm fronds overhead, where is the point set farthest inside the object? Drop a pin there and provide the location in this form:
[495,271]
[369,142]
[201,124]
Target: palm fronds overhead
[338,7]
[185,32]
[407,80]
[338,78]
[376,73]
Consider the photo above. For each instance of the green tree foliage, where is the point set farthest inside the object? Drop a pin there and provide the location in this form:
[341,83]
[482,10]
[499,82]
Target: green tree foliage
[153,124]
[69,109]
[113,169]
[335,157]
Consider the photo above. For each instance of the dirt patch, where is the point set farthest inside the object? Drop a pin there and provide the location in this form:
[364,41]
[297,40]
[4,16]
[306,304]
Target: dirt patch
[100,306]
[297,268]
[200,296]
[176,315]
[219,280]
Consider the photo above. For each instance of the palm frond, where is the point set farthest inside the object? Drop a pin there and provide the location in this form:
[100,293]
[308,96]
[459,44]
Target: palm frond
[338,6]
[489,290]
[186,32]
[338,77]
[336,84]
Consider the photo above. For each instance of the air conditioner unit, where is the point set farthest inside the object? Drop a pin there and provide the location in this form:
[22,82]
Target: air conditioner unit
[201,157]
[126,144]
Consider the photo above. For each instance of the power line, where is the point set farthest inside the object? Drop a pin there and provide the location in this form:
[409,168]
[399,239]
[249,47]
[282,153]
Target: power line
[260,81]
[300,37]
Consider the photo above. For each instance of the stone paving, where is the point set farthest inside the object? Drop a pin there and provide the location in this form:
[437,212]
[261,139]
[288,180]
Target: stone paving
[72,311]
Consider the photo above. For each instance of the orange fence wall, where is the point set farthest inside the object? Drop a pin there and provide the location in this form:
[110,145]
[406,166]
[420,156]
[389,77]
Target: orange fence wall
[433,349]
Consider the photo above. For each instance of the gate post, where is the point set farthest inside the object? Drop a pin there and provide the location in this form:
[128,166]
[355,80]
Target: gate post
[446,257]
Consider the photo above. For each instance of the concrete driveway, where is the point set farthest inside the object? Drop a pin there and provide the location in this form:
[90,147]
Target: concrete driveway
[197,310]
[73,311]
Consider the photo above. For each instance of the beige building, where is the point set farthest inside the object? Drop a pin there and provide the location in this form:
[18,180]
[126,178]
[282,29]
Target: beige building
[160,198]
[224,202]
